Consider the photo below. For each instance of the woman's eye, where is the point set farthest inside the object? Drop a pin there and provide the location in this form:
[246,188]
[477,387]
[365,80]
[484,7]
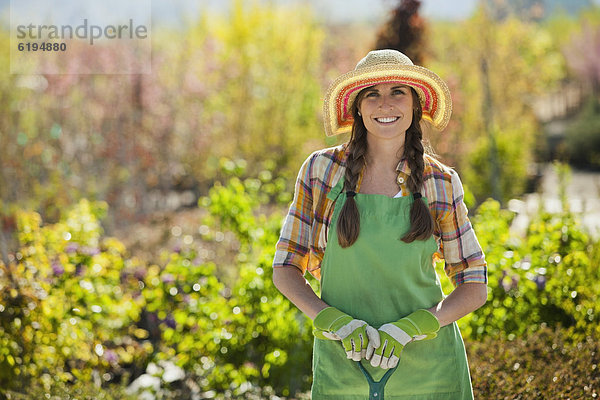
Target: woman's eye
[399,91]
[371,94]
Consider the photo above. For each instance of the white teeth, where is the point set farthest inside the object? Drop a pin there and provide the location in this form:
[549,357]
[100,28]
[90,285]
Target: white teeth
[386,119]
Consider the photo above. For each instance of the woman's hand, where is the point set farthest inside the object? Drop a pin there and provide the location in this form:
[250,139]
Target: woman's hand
[356,335]
[419,325]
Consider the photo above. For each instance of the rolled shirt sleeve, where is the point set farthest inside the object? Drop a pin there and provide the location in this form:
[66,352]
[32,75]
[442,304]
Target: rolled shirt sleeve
[293,246]
[464,258]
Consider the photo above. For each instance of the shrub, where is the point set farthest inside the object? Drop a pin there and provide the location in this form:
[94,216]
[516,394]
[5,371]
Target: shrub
[76,308]
[58,390]
[63,308]
[582,141]
[78,314]
[269,341]
[548,277]
[542,365]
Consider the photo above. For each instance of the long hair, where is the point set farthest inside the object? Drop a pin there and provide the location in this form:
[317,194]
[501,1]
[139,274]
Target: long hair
[421,222]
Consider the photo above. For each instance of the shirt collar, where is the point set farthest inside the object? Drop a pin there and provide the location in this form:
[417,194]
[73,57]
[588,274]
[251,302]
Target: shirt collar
[403,167]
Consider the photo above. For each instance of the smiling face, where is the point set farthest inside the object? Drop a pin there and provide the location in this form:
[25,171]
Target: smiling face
[387,110]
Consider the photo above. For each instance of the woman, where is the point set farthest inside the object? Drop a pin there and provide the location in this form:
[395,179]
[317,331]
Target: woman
[368,219]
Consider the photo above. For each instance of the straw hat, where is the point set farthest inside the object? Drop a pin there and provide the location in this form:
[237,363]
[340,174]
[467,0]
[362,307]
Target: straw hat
[382,66]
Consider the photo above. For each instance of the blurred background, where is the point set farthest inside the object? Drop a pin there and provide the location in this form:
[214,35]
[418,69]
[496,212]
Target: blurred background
[139,213]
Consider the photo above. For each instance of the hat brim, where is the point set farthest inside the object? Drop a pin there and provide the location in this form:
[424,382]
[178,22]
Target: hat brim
[432,90]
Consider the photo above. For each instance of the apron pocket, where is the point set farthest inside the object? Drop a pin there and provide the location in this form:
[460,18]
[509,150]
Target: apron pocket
[429,366]
[334,374]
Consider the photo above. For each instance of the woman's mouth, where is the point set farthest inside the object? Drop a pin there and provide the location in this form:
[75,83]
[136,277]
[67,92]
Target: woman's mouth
[387,120]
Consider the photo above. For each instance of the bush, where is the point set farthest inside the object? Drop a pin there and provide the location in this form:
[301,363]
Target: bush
[76,308]
[64,310]
[550,277]
[58,390]
[78,314]
[247,82]
[269,339]
[541,365]
[582,141]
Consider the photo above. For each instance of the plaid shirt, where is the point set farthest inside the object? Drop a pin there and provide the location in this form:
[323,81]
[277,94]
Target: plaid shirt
[303,236]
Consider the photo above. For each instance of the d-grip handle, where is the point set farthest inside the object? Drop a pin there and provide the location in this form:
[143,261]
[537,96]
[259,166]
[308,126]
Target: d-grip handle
[376,388]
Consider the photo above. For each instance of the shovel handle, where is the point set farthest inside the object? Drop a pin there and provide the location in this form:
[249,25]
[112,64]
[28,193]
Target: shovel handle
[376,388]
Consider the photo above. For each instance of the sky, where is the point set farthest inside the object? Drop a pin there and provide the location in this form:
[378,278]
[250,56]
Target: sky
[343,10]
[172,12]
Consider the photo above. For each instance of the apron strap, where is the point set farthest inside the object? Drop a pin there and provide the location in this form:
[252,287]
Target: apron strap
[336,190]
[376,388]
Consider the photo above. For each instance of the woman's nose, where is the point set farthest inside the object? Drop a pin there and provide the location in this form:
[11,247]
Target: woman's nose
[385,101]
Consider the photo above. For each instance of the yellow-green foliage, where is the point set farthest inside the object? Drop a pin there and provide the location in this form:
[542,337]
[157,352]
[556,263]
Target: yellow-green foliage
[62,301]
[74,306]
[548,278]
[243,85]
[269,92]
[522,61]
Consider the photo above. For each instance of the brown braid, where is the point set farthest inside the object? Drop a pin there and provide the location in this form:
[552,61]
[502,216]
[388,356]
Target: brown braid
[421,222]
[348,225]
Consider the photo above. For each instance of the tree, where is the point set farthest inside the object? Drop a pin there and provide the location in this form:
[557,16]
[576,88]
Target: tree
[242,86]
[492,104]
[583,55]
[405,31]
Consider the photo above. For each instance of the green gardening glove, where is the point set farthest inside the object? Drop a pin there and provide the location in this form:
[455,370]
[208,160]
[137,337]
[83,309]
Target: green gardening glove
[420,325]
[354,334]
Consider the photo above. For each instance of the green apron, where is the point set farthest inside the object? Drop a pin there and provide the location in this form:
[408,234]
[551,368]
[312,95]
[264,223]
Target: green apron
[380,279]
